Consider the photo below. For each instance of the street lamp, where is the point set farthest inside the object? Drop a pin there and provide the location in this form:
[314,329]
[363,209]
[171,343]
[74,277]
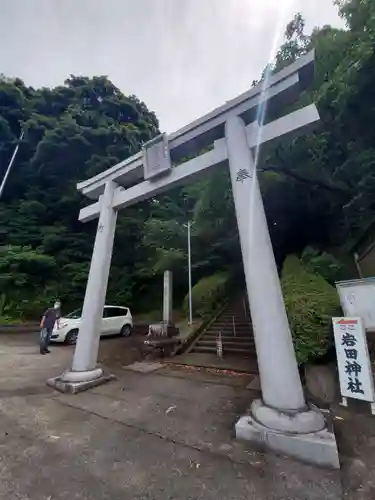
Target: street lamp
[188,225]
[10,165]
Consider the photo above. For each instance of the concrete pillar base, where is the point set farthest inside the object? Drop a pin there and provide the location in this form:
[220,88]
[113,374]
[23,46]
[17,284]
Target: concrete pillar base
[308,419]
[81,376]
[69,383]
[317,448]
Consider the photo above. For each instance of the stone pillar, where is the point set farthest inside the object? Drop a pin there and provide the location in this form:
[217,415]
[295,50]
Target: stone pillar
[283,407]
[84,367]
[168,297]
[271,328]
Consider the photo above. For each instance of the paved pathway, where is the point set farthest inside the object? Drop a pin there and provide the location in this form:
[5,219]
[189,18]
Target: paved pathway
[162,435]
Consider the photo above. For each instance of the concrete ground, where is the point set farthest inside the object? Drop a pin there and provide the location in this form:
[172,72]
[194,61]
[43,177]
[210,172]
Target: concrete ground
[163,435]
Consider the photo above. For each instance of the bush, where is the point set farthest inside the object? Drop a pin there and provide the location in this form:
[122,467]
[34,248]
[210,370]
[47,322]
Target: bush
[207,295]
[24,274]
[310,303]
[323,263]
[5,320]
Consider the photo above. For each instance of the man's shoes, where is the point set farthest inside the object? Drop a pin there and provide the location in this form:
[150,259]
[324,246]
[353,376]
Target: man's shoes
[42,352]
[47,351]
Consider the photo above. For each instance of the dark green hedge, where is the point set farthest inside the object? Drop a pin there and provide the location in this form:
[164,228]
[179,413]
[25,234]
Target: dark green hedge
[310,302]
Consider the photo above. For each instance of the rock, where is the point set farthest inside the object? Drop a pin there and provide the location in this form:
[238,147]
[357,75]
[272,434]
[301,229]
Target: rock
[226,448]
[321,384]
[355,475]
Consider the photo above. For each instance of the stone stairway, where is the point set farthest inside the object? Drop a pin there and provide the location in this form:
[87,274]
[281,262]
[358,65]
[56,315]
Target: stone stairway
[236,333]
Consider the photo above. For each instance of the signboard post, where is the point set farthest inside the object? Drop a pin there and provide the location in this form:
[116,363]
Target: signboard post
[353,361]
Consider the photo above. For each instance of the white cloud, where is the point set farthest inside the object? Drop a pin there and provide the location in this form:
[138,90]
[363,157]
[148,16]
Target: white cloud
[182,57]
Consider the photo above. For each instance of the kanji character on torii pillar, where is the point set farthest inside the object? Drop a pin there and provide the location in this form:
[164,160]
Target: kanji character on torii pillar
[281,418]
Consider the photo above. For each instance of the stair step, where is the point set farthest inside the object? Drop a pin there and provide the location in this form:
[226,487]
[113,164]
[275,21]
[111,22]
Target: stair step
[236,314]
[229,338]
[239,340]
[229,328]
[229,317]
[225,340]
[246,353]
[229,335]
[233,313]
[237,326]
[237,319]
[226,344]
[239,335]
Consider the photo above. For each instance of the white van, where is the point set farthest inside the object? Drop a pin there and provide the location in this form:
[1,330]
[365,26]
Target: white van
[116,320]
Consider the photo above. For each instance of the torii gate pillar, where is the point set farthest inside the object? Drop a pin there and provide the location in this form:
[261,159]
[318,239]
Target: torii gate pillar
[270,323]
[281,418]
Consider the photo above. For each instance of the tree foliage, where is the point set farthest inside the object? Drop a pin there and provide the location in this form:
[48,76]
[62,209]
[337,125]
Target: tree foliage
[318,189]
[71,132]
[324,264]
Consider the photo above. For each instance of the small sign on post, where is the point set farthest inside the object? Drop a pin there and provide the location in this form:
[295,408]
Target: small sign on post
[353,361]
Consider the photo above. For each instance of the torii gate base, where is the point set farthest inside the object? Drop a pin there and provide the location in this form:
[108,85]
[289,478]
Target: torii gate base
[316,447]
[281,419]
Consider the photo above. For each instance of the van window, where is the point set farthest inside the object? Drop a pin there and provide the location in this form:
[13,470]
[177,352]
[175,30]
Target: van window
[114,312]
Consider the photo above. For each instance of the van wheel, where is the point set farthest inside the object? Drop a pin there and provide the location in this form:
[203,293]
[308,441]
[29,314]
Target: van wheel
[126,331]
[71,337]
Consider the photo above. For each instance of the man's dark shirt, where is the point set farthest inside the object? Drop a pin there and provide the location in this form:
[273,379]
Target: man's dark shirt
[50,317]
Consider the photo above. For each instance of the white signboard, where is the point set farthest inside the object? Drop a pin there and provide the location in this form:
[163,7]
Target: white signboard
[156,157]
[357,298]
[355,373]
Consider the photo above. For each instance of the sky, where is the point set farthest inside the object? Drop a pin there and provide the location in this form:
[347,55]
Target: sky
[182,58]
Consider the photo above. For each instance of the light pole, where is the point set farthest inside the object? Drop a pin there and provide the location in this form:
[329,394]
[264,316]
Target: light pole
[10,165]
[188,225]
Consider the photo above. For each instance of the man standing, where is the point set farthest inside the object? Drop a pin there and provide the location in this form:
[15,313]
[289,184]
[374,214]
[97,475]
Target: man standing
[48,322]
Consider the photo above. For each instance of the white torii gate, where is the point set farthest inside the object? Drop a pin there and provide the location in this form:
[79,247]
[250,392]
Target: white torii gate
[281,418]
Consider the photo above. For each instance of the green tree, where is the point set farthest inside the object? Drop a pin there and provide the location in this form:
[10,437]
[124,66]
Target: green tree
[71,133]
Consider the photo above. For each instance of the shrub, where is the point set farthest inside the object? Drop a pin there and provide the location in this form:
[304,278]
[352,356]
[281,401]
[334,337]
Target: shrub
[208,295]
[24,274]
[310,303]
[323,263]
[5,320]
